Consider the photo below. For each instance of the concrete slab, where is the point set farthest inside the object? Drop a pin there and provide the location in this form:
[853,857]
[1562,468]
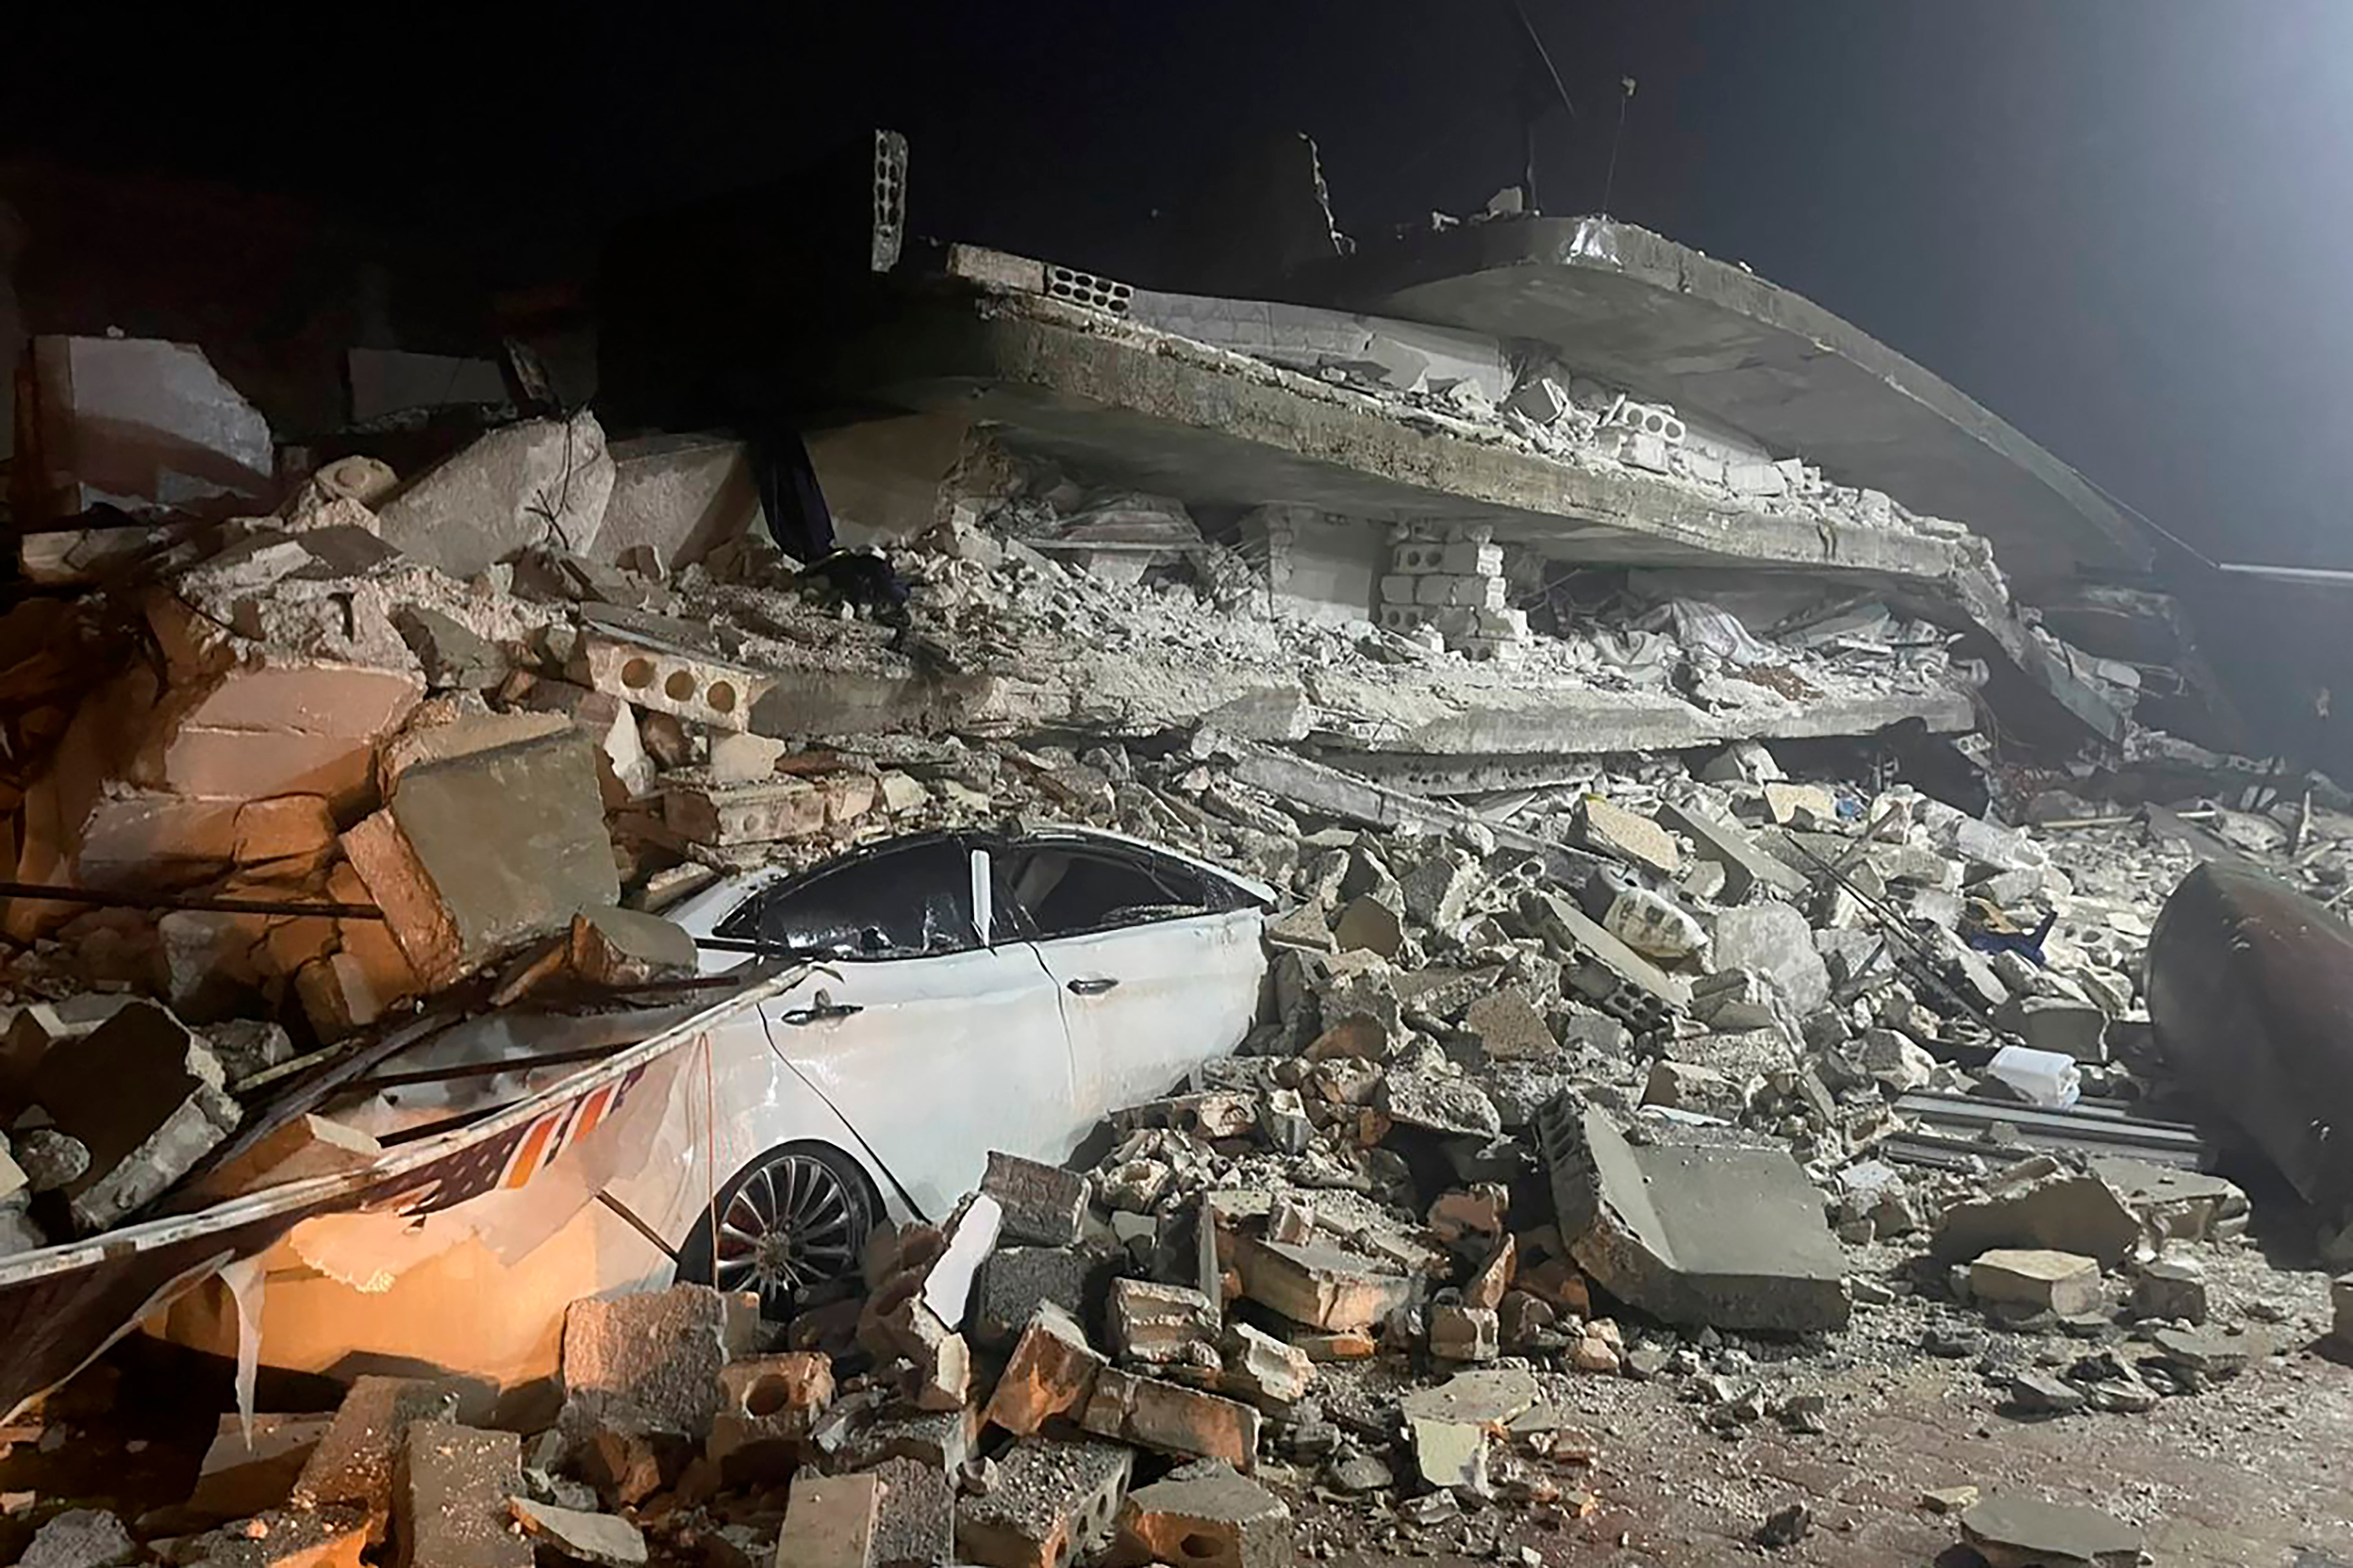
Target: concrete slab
[1722,1237]
[1636,309]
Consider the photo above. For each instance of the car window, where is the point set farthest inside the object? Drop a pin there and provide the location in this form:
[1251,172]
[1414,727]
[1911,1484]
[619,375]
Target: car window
[902,904]
[1063,891]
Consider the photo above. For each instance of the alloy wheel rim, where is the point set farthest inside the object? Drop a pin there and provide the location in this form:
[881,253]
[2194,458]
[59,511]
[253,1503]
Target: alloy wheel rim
[788,1227]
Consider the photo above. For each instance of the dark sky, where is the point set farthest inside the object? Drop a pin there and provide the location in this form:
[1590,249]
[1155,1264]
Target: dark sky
[2120,223]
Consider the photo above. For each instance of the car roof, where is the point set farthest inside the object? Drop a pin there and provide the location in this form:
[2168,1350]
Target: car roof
[698,910]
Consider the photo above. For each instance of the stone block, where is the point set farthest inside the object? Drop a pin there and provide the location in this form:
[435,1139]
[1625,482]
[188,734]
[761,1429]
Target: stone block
[656,1354]
[1159,1324]
[453,908]
[1614,830]
[679,496]
[1203,1515]
[915,1525]
[1052,1371]
[450,1487]
[2077,1029]
[354,1461]
[1800,804]
[1053,1501]
[145,426]
[684,682]
[1320,1286]
[2061,1282]
[831,1522]
[145,1098]
[1706,1235]
[1042,1204]
[542,481]
[1172,1417]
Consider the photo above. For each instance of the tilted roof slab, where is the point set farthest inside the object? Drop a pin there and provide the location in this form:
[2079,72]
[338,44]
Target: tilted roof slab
[1628,306]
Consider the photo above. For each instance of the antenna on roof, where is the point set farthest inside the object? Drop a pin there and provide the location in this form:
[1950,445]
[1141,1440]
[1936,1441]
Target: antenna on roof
[1610,180]
[1540,87]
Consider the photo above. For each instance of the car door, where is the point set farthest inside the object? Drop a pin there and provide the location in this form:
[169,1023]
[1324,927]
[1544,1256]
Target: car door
[934,1046]
[1156,962]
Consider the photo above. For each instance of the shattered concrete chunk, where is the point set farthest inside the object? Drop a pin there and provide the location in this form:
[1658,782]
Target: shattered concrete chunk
[612,946]
[1204,1515]
[679,496]
[1371,922]
[450,1487]
[2010,1530]
[1051,1501]
[2171,1288]
[1442,1104]
[1263,1369]
[1728,844]
[238,1478]
[1614,830]
[539,481]
[1727,1238]
[145,1099]
[145,426]
[1774,940]
[452,908]
[1449,1424]
[1320,1286]
[1015,1281]
[2044,1207]
[603,1539]
[81,1538]
[454,656]
[1041,1203]
[354,1463]
[1509,1028]
[1464,1333]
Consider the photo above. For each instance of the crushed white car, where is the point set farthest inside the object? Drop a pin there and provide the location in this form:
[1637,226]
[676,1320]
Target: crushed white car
[970,991]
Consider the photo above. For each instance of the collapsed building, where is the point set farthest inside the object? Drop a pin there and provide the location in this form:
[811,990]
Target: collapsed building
[1681,729]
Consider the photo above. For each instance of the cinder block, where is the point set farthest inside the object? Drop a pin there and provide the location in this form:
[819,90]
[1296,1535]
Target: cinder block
[1203,1515]
[916,1526]
[1471,560]
[769,1400]
[688,685]
[1158,1323]
[658,1354]
[1051,1500]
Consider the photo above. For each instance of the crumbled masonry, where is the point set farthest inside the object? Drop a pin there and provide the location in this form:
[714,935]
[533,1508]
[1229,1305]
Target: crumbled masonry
[1666,835]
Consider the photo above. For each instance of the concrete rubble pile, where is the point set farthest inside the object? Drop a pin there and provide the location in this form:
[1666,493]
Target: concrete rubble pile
[1667,1067]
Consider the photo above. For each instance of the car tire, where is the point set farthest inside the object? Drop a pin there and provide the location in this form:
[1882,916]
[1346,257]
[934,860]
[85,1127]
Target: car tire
[793,1221]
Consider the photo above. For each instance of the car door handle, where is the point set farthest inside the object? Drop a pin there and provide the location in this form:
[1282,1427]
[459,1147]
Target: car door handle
[1091,985]
[801,1017]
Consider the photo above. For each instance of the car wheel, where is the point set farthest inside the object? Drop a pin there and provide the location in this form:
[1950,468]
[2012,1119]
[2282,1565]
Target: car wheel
[793,1219]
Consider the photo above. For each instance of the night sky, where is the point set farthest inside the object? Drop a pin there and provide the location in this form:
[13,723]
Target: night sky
[2120,223]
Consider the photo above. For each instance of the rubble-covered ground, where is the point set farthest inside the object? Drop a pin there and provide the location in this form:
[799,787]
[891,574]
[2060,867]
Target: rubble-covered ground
[1641,1167]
